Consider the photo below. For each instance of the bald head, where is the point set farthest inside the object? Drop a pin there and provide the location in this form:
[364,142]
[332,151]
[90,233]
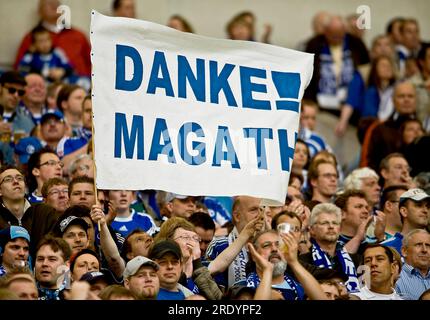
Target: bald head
[48,10]
[404,98]
[320,22]
[335,30]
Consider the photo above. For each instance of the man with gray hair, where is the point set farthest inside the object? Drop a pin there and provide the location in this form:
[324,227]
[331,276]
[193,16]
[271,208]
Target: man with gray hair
[415,276]
[326,251]
[280,250]
[366,180]
[83,165]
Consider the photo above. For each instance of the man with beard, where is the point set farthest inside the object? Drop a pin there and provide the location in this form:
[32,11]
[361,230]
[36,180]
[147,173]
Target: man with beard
[51,259]
[140,277]
[326,252]
[267,246]
[414,208]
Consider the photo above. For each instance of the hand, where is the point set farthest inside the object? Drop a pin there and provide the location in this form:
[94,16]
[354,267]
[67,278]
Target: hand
[195,250]
[340,128]
[291,248]
[111,214]
[56,73]
[266,34]
[5,127]
[97,215]
[277,295]
[255,225]
[380,224]
[261,263]
[362,228]
[80,290]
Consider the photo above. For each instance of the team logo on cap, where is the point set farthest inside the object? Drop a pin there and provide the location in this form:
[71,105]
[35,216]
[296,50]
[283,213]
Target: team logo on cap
[65,222]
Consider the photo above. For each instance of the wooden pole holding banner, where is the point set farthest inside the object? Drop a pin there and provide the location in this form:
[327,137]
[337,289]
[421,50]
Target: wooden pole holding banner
[94,162]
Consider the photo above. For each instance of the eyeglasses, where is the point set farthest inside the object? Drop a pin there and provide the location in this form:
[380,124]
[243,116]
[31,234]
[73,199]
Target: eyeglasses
[56,192]
[328,223]
[189,238]
[84,167]
[400,167]
[12,90]
[9,179]
[329,175]
[52,163]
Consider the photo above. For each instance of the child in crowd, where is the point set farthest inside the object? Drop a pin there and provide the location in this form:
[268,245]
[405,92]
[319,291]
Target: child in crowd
[44,59]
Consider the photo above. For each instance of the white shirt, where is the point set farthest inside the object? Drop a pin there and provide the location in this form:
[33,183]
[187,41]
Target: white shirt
[366,294]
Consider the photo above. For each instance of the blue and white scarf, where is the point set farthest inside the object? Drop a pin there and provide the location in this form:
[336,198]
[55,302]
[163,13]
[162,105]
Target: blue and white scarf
[321,260]
[236,269]
[289,288]
[332,91]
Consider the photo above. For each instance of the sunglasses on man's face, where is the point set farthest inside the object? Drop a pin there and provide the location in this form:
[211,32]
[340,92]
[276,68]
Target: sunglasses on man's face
[12,90]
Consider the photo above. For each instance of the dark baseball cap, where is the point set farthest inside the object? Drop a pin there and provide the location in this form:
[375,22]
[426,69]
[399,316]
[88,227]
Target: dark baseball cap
[94,276]
[70,221]
[12,77]
[161,248]
[236,290]
[51,114]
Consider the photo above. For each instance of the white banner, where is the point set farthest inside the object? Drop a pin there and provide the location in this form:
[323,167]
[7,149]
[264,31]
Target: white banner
[193,115]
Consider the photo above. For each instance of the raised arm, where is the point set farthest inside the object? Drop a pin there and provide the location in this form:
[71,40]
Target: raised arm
[264,289]
[311,286]
[107,244]
[352,245]
[225,258]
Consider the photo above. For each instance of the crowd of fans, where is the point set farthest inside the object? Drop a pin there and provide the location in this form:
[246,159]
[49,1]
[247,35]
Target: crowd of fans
[346,231]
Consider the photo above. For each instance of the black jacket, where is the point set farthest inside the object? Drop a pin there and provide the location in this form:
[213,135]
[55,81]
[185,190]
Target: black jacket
[39,219]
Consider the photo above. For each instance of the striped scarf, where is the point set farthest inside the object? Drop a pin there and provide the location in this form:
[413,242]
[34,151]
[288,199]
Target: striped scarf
[236,270]
[321,260]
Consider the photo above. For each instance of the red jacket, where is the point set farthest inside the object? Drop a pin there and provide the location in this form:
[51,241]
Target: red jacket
[73,42]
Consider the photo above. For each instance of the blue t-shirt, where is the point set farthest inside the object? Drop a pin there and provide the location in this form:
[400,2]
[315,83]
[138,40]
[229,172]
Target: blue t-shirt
[169,295]
[134,221]
[394,242]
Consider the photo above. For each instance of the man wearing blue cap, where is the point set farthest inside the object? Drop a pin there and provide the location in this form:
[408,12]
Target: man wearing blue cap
[54,133]
[14,248]
[26,147]
[52,128]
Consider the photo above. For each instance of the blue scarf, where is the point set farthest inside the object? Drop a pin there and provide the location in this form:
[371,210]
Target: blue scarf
[328,85]
[290,289]
[321,260]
